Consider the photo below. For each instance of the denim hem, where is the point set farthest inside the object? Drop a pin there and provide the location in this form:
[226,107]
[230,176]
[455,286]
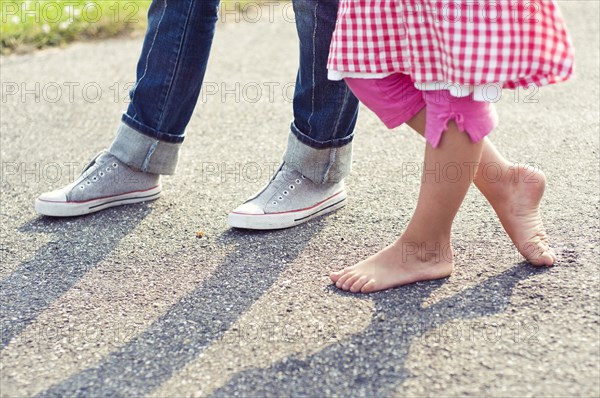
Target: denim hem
[144,153]
[150,132]
[305,139]
[326,165]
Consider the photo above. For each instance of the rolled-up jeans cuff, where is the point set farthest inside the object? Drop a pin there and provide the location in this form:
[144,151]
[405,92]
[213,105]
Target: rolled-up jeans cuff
[335,143]
[321,165]
[145,153]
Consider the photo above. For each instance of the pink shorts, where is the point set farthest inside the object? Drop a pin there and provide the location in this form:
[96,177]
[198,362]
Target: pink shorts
[396,100]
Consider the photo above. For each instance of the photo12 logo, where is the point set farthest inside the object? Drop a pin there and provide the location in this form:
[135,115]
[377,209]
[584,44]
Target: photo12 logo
[256,11]
[473,11]
[50,12]
[65,92]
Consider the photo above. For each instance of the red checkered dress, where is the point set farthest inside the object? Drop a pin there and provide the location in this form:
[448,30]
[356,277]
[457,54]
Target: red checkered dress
[469,42]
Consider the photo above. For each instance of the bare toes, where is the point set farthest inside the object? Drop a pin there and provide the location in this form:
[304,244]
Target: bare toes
[357,286]
[334,276]
[545,260]
[539,254]
[350,281]
[368,287]
[343,278]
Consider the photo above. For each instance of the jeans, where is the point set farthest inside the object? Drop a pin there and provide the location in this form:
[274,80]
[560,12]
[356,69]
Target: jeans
[169,79]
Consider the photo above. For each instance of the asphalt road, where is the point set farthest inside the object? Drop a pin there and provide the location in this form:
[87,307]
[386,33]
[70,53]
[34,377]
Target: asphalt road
[130,302]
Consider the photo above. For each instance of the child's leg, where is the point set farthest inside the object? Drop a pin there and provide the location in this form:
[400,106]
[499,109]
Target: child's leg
[515,196]
[514,191]
[423,252]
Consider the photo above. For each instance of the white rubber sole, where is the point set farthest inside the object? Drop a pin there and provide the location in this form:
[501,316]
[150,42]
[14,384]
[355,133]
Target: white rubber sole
[72,209]
[287,219]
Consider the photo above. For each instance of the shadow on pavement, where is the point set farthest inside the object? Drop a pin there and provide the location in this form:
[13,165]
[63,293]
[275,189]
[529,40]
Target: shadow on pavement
[198,319]
[371,363]
[77,246]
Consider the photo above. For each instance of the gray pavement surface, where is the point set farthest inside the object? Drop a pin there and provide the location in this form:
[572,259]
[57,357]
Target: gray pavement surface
[130,302]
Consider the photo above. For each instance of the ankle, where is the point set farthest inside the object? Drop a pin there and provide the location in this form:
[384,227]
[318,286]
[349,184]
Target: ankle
[493,185]
[512,179]
[432,250]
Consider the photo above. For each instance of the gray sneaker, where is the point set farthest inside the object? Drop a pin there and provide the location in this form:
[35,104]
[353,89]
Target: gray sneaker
[105,182]
[287,200]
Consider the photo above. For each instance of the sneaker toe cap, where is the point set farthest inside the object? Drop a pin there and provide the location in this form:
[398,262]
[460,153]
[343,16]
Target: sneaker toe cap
[249,208]
[54,196]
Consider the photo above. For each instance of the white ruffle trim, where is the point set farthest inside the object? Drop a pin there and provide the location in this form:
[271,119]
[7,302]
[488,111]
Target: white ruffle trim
[489,92]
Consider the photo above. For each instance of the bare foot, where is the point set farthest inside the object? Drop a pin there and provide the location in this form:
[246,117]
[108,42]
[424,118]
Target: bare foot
[400,263]
[516,200]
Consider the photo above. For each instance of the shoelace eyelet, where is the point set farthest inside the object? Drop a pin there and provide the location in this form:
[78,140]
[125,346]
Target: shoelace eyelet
[81,187]
[101,174]
[108,169]
[285,193]
[298,181]
[94,178]
[115,165]
[88,182]
[275,203]
[280,198]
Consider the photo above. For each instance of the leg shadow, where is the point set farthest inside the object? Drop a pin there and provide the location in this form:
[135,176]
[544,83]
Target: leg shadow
[78,245]
[197,320]
[347,368]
